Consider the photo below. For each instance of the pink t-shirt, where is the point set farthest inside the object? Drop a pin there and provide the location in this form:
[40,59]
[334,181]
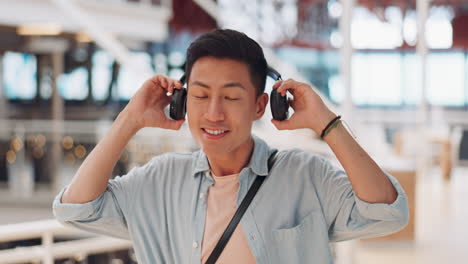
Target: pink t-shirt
[221,206]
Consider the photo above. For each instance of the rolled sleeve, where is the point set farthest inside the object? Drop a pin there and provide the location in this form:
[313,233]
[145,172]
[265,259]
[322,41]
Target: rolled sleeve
[105,214]
[348,216]
[73,211]
[396,211]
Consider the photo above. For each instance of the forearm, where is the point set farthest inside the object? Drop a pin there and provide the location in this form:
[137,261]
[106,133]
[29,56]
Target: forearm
[369,182]
[91,179]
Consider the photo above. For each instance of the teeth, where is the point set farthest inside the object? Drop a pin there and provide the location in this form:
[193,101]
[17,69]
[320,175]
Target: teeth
[215,132]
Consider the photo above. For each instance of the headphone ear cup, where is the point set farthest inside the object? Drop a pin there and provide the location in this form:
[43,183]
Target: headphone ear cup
[279,106]
[177,108]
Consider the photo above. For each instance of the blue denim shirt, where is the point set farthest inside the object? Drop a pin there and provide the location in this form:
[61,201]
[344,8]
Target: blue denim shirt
[303,204]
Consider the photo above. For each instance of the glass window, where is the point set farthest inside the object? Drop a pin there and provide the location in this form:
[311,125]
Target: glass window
[376,79]
[160,63]
[130,80]
[337,93]
[440,35]
[411,79]
[466,78]
[74,85]
[445,78]
[102,71]
[371,32]
[19,75]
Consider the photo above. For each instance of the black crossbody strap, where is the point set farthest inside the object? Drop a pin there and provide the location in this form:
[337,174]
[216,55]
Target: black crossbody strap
[239,213]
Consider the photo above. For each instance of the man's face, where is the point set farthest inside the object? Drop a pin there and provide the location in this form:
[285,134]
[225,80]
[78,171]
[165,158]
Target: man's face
[222,105]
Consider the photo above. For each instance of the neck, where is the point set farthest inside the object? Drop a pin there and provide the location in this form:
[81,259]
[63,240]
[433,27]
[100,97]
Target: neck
[233,162]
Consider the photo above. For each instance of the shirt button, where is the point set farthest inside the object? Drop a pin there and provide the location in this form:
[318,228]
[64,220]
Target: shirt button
[202,195]
[195,245]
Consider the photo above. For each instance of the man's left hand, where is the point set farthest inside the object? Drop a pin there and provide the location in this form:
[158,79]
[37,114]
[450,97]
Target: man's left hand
[309,109]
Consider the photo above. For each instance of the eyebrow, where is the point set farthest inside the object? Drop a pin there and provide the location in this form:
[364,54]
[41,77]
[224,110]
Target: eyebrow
[230,84]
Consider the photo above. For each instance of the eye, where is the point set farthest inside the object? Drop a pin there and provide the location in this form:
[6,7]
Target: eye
[200,97]
[231,98]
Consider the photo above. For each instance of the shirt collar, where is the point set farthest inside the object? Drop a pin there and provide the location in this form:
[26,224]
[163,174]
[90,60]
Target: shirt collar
[258,160]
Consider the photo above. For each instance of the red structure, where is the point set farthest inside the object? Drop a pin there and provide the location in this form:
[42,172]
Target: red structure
[188,16]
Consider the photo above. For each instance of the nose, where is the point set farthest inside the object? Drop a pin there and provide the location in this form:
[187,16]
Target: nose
[215,111]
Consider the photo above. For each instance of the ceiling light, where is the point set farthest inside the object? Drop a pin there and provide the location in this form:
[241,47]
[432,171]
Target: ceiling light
[83,37]
[39,29]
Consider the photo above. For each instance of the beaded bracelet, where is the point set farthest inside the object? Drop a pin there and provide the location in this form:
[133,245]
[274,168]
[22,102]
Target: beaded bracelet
[324,131]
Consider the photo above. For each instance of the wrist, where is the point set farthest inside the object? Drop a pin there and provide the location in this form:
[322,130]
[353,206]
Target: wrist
[323,121]
[333,124]
[127,123]
[335,133]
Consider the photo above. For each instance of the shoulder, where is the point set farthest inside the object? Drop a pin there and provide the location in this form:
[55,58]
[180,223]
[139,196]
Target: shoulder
[163,164]
[172,161]
[298,157]
[304,166]
[168,168]
[174,157]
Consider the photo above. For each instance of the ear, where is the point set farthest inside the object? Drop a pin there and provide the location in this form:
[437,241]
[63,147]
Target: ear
[261,104]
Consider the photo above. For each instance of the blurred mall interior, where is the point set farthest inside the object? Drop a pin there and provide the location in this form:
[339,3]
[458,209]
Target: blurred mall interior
[396,70]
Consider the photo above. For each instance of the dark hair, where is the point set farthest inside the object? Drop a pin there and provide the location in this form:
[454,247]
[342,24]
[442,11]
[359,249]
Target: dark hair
[230,44]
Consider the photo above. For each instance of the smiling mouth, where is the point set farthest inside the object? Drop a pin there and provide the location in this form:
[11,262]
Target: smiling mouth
[214,132]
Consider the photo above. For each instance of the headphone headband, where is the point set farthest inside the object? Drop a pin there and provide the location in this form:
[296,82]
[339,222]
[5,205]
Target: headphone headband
[273,73]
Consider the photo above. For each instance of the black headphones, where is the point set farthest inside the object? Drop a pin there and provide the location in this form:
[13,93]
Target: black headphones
[279,104]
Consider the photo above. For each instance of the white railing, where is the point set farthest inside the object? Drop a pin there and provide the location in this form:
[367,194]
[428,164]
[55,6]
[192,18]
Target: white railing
[80,247]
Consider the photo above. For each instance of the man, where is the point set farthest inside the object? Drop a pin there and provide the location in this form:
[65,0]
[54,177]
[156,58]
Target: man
[176,207]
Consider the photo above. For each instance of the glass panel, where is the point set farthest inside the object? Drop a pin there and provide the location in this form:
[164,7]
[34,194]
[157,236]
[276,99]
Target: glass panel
[446,61]
[301,33]
[74,85]
[385,69]
[411,79]
[130,80]
[376,79]
[370,31]
[102,73]
[160,63]
[439,33]
[20,75]
[445,78]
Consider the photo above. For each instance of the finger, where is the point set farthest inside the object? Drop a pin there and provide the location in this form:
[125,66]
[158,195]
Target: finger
[289,84]
[282,125]
[163,101]
[157,83]
[157,79]
[277,84]
[283,88]
[173,124]
[170,87]
[166,85]
[160,81]
[163,82]
[178,84]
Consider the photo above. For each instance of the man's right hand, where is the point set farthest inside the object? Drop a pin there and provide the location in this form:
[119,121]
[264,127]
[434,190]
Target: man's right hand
[147,105]
[145,109]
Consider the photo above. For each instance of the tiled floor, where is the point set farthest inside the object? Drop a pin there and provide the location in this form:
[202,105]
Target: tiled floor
[441,226]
